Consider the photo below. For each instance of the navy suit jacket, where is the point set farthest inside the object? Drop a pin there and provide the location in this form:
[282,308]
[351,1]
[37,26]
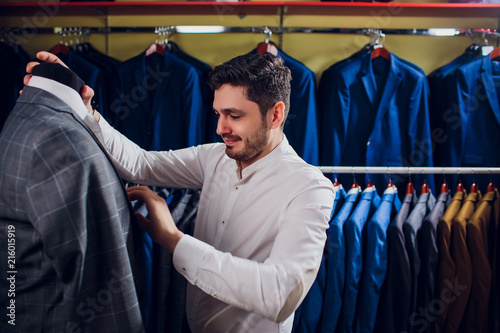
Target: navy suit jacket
[375,264]
[376,114]
[467,127]
[394,303]
[158,103]
[301,128]
[308,315]
[335,263]
[355,243]
[428,250]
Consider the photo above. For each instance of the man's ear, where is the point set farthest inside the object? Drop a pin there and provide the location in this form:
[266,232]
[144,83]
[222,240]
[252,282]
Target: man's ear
[278,114]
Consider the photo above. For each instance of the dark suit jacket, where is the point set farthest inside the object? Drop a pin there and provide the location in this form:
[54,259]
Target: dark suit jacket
[411,230]
[428,252]
[394,303]
[74,251]
[480,229]
[157,102]
[463,266]
[446,265]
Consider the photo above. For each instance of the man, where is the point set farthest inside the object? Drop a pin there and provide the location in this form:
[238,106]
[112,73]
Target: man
[260,230]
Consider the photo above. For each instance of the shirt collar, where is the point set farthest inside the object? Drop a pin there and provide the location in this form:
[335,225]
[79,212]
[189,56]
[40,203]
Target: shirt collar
[61,91]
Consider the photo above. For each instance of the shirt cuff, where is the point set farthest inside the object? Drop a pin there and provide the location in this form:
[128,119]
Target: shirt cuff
[188,256]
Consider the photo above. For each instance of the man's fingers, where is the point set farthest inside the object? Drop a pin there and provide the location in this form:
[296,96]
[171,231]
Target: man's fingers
[49,57]
[138,193]
[87,94]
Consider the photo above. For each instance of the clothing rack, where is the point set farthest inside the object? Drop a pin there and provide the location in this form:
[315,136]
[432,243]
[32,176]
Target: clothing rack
[409,170]
[191,29]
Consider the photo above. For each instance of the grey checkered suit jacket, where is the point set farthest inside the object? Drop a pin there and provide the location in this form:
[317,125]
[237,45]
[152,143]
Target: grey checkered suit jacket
[75,252]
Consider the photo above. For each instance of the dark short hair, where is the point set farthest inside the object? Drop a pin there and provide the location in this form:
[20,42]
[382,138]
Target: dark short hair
[265,77]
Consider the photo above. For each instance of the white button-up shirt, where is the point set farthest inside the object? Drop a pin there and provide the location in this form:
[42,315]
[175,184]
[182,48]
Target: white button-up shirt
[258,240]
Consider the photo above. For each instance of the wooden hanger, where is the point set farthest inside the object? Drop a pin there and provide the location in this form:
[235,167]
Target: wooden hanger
[460,186]
[495,53]
[490,187]
[473,188]
[60,49]
[425,188]
[409,188]
[444,187]
[155,49]
[267,46]
[380,52]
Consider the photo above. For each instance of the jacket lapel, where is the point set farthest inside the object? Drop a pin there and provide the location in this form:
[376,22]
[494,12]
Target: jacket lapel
[489,87]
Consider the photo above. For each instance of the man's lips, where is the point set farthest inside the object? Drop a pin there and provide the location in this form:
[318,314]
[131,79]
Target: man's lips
[230,140]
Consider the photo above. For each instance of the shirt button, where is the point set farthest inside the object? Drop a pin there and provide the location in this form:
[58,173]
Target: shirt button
[368,143]
[183,270]
[214,295]
[223,222]
[236,188]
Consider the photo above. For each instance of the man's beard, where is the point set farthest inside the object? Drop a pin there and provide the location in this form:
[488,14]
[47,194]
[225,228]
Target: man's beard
[253,145]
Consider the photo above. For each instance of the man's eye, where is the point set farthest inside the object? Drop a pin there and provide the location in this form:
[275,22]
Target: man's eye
[235,117]
[217,114]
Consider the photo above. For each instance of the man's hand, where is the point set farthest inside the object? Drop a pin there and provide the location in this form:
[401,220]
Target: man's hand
[87,93]
[160,226]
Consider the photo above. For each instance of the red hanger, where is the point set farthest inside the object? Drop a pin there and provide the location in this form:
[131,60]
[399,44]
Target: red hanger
[473,188]
[369,184]
[460,186]
[267,48]
[495,53]
[155,48]
[390,184]
[409,188]
[381,52]
[60,49]
[491,187]
[444,188]
[425,188]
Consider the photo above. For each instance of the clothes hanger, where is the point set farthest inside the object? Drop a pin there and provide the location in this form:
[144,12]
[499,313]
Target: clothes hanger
[157,47]
[460,186]
[378,50]
[267,46]
[444,185]
[62,47]
[424,188]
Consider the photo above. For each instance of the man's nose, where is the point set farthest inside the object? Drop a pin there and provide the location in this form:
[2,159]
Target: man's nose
[222,126]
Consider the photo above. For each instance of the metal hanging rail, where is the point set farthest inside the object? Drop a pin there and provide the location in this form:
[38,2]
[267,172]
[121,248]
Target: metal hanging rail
[409,170]
[212,29]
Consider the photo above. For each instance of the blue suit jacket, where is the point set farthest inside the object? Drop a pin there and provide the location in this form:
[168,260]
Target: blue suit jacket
[335,263]
[355,243]
[308,315]
[475,142]
[394,302]
[411,230]
[376,114]
[301,127]
[158,103]
[375,264]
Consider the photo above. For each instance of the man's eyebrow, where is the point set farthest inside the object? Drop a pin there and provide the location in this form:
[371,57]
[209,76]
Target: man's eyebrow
[229,110]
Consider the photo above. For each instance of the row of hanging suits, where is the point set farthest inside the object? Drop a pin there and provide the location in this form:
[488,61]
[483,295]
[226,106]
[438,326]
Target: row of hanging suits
[372,108]
[421,264]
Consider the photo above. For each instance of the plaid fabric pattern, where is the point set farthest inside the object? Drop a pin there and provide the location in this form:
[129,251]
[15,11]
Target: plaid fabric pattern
[74,251]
